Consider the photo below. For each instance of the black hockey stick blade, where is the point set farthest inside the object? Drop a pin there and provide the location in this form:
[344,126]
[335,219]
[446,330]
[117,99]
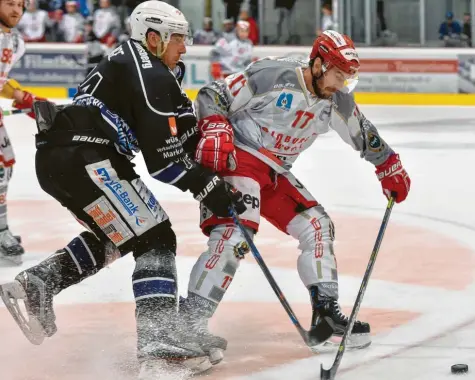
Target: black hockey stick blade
[327,374]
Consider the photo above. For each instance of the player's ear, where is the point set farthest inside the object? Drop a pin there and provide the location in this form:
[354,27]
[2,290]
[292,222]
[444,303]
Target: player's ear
[153,40]
[317,65]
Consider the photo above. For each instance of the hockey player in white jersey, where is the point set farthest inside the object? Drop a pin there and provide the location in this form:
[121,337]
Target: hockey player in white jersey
[12,49]
[254,125]
[229,57]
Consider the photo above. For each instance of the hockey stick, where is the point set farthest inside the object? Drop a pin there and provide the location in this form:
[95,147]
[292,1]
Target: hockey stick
[318,334]
[15,112]
[329,374]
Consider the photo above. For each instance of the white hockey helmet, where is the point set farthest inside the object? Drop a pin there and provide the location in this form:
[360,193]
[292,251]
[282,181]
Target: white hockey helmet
[160,17]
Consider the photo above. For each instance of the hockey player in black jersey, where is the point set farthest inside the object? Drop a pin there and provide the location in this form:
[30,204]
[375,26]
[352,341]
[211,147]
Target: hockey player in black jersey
[130,102]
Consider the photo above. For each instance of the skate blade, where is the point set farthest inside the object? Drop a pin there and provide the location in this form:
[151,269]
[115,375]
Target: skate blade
[216,355]
[194,365]
[355,341]
[170,369]
[31,327]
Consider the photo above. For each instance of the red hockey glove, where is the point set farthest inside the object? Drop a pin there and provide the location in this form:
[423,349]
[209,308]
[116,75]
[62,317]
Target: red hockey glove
[215,149]
[27,102]
[110,40]
[394,178]
[216,72]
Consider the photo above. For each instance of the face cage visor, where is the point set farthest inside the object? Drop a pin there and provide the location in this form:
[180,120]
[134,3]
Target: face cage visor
[336,77]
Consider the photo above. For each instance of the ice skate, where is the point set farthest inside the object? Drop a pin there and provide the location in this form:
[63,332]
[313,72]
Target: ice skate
[10,247]
[197,326]
[36,319]
[213,345]
[171,356]
[328,307]
[164,344]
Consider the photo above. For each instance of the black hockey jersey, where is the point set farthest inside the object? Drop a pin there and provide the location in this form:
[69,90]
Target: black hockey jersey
[144,108]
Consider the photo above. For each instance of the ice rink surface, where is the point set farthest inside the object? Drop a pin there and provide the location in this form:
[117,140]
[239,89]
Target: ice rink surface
[420,301]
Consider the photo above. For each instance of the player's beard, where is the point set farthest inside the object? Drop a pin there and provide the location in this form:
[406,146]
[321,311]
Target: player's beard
[316,88]
[8,25]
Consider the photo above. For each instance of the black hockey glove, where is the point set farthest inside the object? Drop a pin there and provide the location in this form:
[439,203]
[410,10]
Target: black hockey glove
[209,188]
[218,195]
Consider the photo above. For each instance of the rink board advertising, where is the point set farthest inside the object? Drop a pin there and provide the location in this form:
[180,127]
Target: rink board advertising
[402,70]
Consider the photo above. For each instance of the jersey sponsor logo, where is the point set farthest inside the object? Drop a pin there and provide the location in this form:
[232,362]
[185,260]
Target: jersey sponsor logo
[252,201]
[130,206]
[289,143]
[172,125]
[150,200]
[284,101]
[103,214]
[89,139]
[173,149]
[118,190]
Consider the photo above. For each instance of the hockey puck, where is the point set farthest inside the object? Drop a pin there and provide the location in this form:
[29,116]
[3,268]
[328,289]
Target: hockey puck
[459,368]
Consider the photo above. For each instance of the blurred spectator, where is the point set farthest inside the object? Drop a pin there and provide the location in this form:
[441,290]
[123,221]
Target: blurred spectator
[233,56]
[83,8]
[450,31]
[228,29]
[285,8]
[328,23]
[467,28]
[106,23]
[253,28]
[385,37]
[94,50]
[126,32]
[232,8]
[206,36]
[71,26]
[254,8]
[34,23]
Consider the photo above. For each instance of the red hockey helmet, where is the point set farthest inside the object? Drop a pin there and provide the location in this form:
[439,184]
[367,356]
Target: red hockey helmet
[336,49]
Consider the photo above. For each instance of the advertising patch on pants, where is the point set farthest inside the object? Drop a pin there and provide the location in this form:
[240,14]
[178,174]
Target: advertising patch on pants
[102,212]
[123,196]
[149,199]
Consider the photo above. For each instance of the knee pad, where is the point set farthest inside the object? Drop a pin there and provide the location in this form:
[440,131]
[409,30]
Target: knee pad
[87,252]
[316,264]
[154,280]
[161,238]
[215,269]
